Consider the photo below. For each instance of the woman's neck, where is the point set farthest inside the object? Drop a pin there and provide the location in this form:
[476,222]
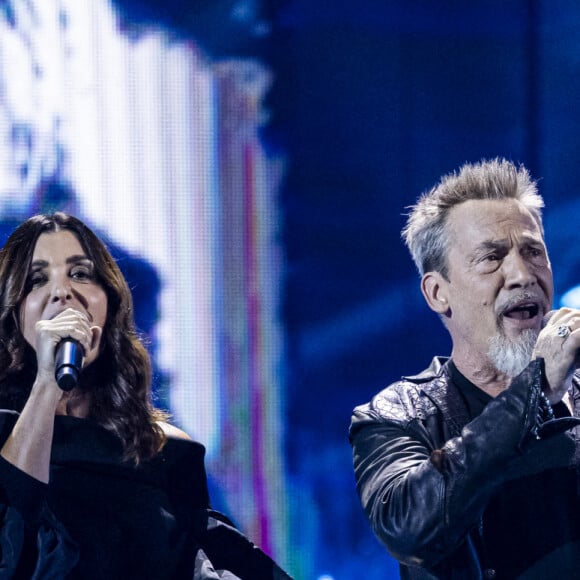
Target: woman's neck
[74,404]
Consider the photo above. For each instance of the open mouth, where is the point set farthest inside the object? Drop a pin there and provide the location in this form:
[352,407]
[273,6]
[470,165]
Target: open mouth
[523,311]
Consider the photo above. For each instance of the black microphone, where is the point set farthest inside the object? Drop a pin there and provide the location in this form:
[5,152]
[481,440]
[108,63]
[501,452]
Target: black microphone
[68,363]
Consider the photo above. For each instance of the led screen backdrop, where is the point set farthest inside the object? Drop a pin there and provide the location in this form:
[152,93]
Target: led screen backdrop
[156,147]
[275,292]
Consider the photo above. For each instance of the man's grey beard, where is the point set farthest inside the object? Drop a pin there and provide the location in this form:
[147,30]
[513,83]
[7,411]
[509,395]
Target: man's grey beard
[512,356]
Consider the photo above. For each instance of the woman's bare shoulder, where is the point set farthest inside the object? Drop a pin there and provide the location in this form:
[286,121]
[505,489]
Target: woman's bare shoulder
[172,431]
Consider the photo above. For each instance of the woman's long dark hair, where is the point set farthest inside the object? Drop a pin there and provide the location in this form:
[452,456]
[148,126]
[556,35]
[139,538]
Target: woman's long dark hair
[120,379]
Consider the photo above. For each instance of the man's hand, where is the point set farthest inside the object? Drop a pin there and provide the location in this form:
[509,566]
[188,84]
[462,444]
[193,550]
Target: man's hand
[559,345]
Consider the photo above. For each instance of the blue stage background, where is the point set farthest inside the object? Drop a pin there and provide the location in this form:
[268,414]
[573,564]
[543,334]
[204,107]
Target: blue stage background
[373,102]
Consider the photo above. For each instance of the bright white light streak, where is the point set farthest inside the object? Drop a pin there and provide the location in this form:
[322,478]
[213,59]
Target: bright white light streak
[571,299]
[195,396]
[139,132]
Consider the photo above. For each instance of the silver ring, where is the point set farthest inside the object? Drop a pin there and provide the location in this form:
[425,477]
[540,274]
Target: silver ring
[563,330]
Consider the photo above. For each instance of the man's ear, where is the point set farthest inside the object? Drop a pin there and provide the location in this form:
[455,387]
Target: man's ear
[434,288]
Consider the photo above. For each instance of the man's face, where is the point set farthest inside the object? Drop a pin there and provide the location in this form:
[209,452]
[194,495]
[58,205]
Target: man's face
[500,279]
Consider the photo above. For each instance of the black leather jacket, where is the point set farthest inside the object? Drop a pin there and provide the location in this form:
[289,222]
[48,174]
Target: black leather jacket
[425,473]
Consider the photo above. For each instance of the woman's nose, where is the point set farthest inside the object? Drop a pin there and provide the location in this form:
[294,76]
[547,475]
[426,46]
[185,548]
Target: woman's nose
[60,290]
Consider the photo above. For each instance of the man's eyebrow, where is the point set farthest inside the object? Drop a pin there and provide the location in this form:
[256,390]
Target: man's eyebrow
[495,244]
[491,245]
[533,240]
[486,246]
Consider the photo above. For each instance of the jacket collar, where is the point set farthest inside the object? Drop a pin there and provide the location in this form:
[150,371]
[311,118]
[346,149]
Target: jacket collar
[436,384]
[433,370]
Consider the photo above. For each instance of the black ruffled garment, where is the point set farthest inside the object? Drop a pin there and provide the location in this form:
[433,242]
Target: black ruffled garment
[100,518]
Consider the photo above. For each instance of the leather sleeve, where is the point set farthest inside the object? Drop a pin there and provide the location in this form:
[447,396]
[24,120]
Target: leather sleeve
[422,500]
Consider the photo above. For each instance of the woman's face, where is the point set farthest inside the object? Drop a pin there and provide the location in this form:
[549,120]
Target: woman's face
[62,276]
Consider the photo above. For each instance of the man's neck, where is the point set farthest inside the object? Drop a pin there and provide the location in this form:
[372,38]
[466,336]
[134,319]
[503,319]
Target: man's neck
[482,373]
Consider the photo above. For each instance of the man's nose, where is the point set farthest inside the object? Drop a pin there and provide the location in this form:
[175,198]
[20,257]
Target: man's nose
[517,271]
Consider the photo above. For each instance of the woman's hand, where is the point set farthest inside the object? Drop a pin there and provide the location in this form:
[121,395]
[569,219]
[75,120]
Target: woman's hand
[29,445]
[68,324]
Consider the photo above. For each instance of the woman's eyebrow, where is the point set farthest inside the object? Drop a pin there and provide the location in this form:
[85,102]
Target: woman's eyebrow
[78,258]
[70,260]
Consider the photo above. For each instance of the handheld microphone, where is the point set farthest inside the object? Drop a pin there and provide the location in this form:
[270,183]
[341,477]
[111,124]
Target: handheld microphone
[68,363]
